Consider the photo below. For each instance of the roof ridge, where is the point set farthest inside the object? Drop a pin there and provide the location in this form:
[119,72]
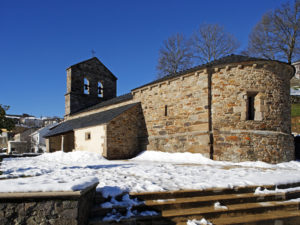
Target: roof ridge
[90,59]
[228,59]
[108,102]
[84,61]
[89,120]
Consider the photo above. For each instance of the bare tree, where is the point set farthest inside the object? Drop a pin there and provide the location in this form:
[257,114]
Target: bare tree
[175,55]
[211,42]
[261,40]
[277,35]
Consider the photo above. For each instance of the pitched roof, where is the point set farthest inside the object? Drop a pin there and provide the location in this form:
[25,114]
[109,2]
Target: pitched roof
[87,121]
[225,60]
[222,61]
[93,59]
[119,99]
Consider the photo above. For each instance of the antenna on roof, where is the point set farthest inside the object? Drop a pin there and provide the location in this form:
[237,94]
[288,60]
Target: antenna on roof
[93,53]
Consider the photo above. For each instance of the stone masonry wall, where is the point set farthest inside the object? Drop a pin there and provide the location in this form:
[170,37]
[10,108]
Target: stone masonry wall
[176,114]
[53,143]
[206,112]
[238,146]
[69,141]
[34,208]
[265,138]
[125,134]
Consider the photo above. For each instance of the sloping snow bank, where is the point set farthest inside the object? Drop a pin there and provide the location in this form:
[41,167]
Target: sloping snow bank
[186,157]
[150,171]
[71,157]
[43,184]
[191,158]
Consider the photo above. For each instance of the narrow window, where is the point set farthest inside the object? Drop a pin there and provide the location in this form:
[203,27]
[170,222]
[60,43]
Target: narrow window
[251,105]
[100,90]
[86,86]
[87,135]
[166,110]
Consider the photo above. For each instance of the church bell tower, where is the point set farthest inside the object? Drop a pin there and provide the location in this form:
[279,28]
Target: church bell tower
[88,83]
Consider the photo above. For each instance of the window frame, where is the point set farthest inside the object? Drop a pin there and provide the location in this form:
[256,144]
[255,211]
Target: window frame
[86,86]
[88,136]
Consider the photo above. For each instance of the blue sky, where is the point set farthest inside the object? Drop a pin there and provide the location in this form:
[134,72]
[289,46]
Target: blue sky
[40,39]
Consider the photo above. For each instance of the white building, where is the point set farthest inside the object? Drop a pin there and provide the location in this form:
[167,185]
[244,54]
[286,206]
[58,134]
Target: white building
[38,144]
[297,66]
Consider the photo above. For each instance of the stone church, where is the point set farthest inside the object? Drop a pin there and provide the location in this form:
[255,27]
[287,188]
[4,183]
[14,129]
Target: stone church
[236,108]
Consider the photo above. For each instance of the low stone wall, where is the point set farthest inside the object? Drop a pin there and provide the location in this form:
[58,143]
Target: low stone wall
[17,147]
[19,155]
[68,208]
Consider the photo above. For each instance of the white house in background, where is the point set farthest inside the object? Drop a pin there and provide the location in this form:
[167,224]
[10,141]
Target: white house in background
[297,66]
[32,121]
[38,144]
[3,139]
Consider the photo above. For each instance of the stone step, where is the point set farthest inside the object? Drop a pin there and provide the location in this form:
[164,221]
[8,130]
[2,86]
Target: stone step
[145,220]
[278,218]
[194,193]
[281,217]
[210,212]
[288,185]
[211,191]
[183,203]
[179,206]
[232,210]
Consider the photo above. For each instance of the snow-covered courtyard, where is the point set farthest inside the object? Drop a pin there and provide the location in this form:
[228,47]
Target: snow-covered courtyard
[150,171]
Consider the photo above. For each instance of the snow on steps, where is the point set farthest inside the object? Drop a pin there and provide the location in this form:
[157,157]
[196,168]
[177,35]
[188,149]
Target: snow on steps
[240,206]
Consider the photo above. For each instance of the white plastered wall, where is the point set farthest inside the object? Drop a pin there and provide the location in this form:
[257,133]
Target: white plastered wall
[97,141]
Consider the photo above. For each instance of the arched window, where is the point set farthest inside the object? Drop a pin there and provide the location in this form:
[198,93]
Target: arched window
[100,90]
[86,86]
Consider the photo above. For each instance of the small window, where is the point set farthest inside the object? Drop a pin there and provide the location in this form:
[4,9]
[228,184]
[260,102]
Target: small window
[166,110]
[251,105]
[86,86]
[88,136]
[100,90]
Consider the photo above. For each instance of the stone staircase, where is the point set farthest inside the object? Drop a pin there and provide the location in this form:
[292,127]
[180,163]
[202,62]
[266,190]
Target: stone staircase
[218,206]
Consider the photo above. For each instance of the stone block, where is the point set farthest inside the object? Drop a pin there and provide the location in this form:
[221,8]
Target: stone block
[199,127]
[38,208]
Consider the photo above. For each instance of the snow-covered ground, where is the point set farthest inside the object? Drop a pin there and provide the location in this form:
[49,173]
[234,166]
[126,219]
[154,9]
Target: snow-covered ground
[150,171]
[198,222]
